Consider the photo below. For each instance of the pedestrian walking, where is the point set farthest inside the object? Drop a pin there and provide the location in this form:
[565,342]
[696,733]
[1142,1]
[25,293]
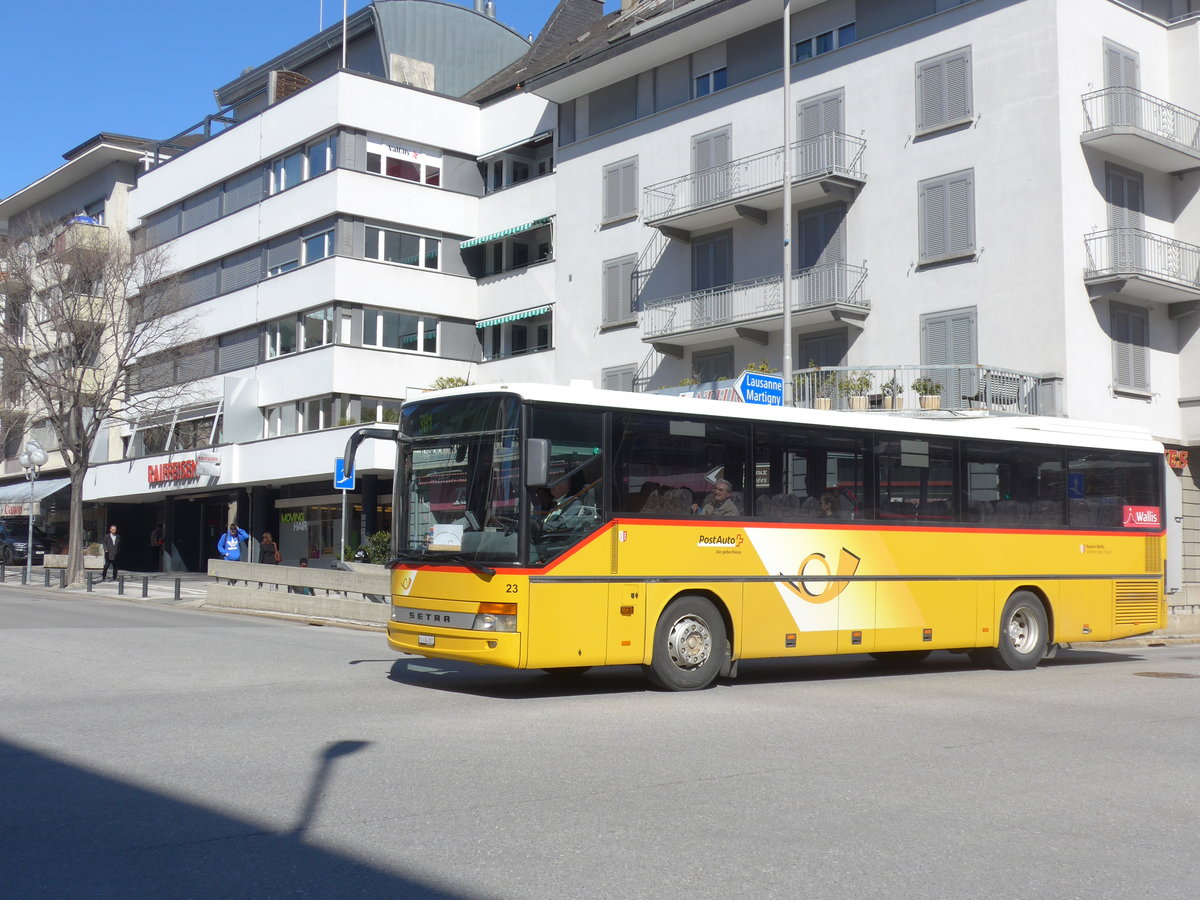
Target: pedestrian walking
[156,548]
[112,548]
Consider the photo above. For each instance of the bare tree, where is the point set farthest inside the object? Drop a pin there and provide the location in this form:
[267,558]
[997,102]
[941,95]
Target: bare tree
[82,305]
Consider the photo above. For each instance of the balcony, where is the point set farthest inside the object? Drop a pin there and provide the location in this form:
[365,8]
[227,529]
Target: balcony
[1131,124]
[80,242]
[827,167]
[1133,263]
[821,294]
[961,389]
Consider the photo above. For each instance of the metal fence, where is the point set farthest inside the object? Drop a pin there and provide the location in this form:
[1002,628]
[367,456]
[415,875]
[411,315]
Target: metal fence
[935,387]
[743,301]
[826,154]
[1132,251]
[1127,107]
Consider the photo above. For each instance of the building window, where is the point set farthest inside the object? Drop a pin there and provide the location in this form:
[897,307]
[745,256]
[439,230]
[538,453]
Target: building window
[286,172]
[950,342]
[316,328]
[946,217]
[710,82]
[620,190]
[617,285]
[395,160]
[618,378]
[379,409]
[317,413]
[318,246]
[815,45]
[390,330]
[279,421]
[713,365]
[531,335]
[402,248]
[1131,344]
[279,338]
[303,163]
[944,91]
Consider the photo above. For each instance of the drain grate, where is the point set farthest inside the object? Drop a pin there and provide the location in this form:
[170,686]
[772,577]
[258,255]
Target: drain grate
[1166,675]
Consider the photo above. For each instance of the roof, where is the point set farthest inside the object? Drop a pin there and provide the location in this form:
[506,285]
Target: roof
[88,158]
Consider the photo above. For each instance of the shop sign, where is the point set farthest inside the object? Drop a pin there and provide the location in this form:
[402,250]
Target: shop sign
[1177,459]
[298,521]
[178,470]
[20,509]
[208,464]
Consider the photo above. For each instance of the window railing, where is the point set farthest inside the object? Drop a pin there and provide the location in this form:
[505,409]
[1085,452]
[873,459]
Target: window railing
[826,154]
[1132,251]
[833,283]
[1128,107]
[911,387]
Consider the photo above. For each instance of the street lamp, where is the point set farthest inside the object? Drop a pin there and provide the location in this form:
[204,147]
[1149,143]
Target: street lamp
[33,457]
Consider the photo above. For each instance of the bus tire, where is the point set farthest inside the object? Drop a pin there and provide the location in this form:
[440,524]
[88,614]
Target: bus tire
[1024,635]
[900,657]
[690,645]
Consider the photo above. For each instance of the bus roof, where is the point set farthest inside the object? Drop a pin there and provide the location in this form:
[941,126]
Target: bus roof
[946,423]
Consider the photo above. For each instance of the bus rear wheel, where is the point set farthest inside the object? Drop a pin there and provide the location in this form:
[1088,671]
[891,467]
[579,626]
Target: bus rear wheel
[689,645]
[1024,635]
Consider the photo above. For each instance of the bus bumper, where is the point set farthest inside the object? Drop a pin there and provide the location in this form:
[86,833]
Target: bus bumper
[494,648]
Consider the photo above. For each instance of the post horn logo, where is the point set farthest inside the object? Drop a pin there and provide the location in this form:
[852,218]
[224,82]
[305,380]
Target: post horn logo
[810,578]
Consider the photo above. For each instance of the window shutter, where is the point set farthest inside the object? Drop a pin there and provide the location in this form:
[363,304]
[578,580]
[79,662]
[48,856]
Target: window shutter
[629,188]
[933,225]
[958,88]
[946,212]
[238,350]
[200,284]
[930,91]
[618,302]
[243,190]
[1130,334]
[960,235]
[163,226]
[618,379]
[283,250]
[241,270]
[201,209]
[620,190]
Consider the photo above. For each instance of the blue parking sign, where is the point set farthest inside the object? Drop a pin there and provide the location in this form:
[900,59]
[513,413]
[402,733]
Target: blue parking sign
[342,480]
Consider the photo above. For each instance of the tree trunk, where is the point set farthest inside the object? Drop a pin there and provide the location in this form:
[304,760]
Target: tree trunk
[75,529]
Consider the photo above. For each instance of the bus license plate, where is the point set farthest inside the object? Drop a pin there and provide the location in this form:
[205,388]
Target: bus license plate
[425,640]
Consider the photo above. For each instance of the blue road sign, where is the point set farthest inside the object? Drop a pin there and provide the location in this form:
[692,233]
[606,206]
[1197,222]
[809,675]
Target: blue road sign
[342,480]
[765,390]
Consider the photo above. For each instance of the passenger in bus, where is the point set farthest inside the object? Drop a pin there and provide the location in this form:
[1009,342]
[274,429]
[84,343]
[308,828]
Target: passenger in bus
[719,502]
[825,509]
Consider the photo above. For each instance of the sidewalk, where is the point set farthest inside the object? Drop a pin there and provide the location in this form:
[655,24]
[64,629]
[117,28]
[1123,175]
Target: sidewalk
[159,586]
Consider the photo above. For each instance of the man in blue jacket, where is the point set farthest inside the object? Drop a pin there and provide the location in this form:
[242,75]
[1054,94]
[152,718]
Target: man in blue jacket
[229,545]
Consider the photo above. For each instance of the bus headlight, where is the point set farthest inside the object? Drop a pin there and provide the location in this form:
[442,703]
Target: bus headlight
[496,617]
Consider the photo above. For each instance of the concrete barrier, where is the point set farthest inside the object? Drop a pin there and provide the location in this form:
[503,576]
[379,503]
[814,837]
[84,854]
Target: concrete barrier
[362,595]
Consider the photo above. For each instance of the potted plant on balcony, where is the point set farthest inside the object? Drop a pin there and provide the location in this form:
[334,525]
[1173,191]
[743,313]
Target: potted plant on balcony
[825,388]
[893,393]
[929,392]
[854,387]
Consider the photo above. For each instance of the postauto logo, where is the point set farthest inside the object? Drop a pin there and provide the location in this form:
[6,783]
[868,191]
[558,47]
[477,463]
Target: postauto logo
[720,540]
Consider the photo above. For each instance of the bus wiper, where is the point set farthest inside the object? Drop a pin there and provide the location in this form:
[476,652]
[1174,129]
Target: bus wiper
[478,568]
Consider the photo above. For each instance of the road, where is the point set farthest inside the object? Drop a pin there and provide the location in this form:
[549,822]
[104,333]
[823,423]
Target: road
[155,752]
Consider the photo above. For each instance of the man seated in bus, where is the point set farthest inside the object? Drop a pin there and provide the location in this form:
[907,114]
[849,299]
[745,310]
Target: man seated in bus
[719,502]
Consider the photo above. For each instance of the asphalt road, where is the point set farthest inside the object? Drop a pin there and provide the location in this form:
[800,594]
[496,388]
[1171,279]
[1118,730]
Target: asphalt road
[155,752]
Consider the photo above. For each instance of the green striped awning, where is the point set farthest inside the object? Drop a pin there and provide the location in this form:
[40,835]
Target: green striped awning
[516,229]
[512,317]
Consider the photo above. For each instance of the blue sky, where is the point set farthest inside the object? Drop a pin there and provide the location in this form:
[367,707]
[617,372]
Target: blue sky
[79,67]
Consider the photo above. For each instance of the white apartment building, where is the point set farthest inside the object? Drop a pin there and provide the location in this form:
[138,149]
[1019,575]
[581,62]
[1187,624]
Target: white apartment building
[998,193]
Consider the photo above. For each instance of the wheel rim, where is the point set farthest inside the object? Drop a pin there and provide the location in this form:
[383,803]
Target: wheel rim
[1023,630]
[689,642]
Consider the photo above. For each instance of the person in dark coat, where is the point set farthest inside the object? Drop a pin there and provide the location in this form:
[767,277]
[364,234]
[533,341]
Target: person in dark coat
[112,549]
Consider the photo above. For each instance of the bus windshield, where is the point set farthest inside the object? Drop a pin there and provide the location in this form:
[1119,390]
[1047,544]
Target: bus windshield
[463,480]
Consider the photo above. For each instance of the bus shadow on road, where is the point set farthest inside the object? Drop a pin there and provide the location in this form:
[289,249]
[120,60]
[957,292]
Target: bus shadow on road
[515,684]
[519,684]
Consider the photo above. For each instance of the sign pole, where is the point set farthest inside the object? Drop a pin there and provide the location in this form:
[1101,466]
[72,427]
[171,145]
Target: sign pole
[345,516]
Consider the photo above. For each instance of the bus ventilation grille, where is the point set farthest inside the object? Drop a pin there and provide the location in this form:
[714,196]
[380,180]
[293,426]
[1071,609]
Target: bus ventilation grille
[1153,555]
[1137,602]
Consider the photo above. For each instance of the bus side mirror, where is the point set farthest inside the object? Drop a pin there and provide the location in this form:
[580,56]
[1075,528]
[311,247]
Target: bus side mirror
[537,462]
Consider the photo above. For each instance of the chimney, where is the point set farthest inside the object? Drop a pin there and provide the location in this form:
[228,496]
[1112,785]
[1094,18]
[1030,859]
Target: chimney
[489,9]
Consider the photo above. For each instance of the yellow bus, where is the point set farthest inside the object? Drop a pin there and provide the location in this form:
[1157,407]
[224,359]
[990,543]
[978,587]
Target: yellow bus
[557,528]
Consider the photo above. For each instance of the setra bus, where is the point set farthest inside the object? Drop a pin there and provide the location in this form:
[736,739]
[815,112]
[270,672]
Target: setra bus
[561,528]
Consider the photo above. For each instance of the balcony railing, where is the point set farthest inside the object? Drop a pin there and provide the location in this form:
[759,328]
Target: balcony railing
[80,241]
[1134,253]
[830,154]
[891,388]
[746,301]
[1114,111]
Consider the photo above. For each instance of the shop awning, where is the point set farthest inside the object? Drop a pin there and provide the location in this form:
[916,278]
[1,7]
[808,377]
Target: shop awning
[521,143]
[18,491]
[507,232]
[512,317]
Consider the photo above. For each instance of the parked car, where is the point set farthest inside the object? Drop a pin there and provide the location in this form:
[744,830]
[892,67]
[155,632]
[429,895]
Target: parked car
[14,541]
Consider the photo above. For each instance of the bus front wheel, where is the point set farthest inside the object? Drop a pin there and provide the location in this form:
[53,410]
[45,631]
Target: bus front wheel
[689,645]
[1024,635]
